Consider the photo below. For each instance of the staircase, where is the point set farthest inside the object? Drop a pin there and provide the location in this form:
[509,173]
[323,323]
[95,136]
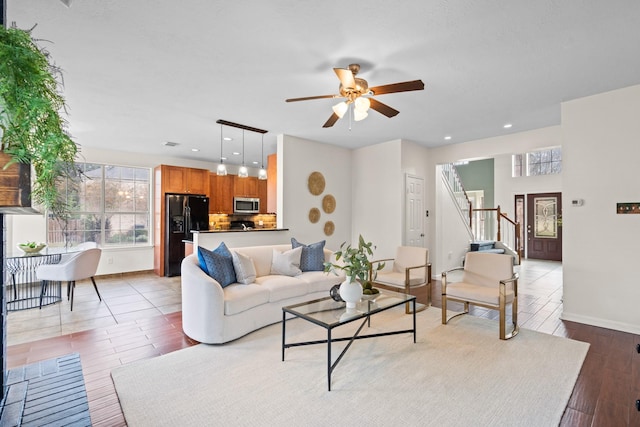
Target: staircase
[490,230]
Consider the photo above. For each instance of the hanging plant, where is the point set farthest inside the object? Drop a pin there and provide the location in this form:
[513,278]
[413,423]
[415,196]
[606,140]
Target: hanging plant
[33,130]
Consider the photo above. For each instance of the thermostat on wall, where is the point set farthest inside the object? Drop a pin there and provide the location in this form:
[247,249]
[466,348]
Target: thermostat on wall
[577,202]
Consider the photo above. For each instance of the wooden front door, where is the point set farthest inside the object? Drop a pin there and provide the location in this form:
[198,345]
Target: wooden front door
[544,226]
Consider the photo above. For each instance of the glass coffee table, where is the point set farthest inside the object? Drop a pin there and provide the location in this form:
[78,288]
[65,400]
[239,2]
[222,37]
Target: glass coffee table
[330,314]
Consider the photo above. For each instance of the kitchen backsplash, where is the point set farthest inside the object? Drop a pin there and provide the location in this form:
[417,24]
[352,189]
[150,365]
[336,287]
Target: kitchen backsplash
[223,221]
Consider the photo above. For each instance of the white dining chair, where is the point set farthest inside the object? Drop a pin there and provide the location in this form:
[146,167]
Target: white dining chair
[81,265]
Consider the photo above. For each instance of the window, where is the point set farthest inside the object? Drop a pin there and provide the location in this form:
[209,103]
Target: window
[542,162]
[109,205]
[516,161]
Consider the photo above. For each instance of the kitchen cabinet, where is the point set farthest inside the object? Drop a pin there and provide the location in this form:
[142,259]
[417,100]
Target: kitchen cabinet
[172,179]
[245,187]
[221,189]
[262,194]
[176,179]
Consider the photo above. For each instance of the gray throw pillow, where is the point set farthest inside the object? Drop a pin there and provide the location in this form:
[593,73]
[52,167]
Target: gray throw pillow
[312,258]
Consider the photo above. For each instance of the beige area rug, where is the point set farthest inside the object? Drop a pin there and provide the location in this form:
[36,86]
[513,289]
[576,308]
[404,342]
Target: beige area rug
[458,374]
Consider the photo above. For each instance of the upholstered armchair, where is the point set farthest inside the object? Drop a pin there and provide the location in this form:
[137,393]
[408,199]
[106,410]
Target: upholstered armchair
[81,265]
[409,269]
[487,281]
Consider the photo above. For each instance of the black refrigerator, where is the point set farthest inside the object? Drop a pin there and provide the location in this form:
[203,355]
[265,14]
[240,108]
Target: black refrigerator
[185,212]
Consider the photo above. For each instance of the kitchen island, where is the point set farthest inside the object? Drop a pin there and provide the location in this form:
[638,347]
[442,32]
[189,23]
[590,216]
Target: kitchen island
[241,238]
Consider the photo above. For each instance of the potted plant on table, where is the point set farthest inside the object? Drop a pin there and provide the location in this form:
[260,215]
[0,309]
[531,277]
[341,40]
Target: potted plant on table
[32,130]
[356,265]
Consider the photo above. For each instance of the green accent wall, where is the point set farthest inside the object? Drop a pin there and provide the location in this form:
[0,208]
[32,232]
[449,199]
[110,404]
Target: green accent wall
[478,175]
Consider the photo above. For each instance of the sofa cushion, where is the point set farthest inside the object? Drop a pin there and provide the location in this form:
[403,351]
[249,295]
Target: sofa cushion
[283,287]
[319,281]
[239,297]
[312,258]
[244,268]
[219,264]
[286,263]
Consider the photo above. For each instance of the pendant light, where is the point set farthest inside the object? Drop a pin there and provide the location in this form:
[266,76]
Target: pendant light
[222,169]
[243,172]
[262,173]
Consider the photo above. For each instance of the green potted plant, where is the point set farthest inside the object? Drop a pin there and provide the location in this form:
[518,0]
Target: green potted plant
[356,265]
[32,129]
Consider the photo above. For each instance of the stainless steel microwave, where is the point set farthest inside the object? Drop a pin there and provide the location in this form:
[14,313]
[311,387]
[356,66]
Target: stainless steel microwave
[246,205]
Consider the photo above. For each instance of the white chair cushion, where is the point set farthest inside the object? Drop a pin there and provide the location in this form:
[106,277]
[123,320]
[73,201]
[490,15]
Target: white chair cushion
[478,294]
[396,279]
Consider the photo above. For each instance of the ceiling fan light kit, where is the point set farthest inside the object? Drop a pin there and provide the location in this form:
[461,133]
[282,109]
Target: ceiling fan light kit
[357,92]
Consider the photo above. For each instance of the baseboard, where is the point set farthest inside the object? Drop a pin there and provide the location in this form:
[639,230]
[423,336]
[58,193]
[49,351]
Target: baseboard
[602,323]
[124,274]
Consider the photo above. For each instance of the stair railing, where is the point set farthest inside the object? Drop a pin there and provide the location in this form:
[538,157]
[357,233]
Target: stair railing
[453,183]
[505,231]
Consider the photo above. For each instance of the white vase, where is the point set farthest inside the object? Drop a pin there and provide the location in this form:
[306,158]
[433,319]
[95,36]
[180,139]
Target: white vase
[350,292]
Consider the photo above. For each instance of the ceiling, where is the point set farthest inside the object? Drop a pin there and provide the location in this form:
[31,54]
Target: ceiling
[140,73]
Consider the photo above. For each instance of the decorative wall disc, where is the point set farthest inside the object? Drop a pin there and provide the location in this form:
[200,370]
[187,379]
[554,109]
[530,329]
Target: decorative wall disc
[329,228]
[314,215]
[316,183]
[328,203]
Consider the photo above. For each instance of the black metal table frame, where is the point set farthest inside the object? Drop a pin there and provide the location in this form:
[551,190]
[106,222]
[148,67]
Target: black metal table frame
[366,317]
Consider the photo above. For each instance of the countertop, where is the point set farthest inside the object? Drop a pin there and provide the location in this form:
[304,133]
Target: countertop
[235,231]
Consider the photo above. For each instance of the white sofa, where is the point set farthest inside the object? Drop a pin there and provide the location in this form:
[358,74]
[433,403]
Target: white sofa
[214,315]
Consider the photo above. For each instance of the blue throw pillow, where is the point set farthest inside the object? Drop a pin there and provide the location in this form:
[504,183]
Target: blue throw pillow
[218,264]
[312,258]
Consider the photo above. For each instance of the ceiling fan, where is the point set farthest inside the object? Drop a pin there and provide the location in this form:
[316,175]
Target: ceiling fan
[357,92]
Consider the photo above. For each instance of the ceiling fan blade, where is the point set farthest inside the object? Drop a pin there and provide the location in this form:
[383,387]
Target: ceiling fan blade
[332,121]
[312,97]
[383,108]
[346,78]
[398,87]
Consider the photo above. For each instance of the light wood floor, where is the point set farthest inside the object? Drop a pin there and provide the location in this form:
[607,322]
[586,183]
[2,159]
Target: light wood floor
[140,318]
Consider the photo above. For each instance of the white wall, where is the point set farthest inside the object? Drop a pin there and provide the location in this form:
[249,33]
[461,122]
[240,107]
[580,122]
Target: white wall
[601,252]
[378,197]
[297,159]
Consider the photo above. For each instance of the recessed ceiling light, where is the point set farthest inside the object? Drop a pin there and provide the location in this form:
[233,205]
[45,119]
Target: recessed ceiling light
[223,158]
[226,138]
[235,153]
[507,126]
[255,163]
[195,149]
[448,137]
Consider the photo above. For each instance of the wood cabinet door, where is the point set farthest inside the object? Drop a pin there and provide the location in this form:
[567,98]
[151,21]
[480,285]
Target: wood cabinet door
[174,179]
[198,181]
[224,194]
[245,187]
[213,191]
[262,194]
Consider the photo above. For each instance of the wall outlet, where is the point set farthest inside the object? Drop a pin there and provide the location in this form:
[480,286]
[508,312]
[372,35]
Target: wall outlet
[110,260]
[450,255]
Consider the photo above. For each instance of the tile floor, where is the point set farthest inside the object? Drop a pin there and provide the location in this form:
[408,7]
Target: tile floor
[126,298]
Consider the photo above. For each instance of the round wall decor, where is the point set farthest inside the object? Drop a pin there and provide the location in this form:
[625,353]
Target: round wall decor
[316,183]
[314,215]
[328,203]
[329,228]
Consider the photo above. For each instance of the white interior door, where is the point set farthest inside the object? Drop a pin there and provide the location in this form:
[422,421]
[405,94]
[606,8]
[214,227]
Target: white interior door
[414,211]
